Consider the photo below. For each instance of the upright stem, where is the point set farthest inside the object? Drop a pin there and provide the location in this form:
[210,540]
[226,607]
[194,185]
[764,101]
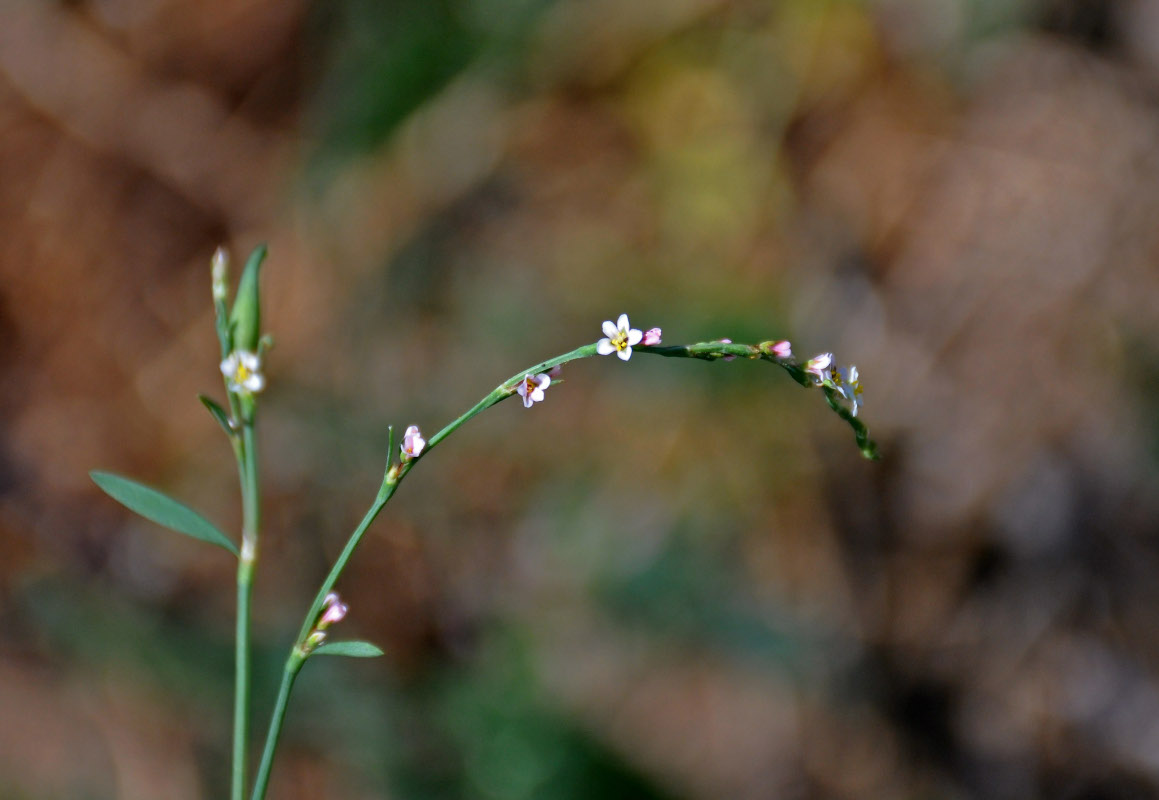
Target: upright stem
[251,523]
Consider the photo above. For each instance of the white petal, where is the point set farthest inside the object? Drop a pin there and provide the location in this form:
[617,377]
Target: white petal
[622,323]
[544,380]
[609,328]
[537,396]
[634,336]
[605,347]
[255,382]
[528,399]
[249,360]
[229,365]
[625,354]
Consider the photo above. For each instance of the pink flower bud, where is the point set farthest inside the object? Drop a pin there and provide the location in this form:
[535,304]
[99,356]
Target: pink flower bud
[333,611]
[727,358]
[651,337]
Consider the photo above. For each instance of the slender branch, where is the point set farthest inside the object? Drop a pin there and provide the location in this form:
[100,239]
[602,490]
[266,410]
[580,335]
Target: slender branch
[297,653]
[709,351]
[289,673]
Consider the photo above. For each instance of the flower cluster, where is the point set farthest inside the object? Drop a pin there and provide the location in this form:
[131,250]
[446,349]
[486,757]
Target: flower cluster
[844,380]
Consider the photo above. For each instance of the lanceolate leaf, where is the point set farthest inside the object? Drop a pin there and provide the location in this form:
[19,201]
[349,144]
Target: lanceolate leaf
[351,649]
[218,414]
[160,508]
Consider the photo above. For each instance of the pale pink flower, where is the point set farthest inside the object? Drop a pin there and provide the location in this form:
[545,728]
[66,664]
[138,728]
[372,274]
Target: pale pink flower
[651,337]
[412,443]
[531,388]
[820,367]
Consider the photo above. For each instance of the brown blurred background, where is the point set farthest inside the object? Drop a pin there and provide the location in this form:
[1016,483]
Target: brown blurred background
[672,579]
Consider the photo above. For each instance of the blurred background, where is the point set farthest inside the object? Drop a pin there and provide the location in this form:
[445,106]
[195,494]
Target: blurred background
[672,579]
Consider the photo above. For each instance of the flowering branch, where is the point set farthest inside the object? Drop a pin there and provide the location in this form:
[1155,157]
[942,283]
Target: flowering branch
[529,385]
[238,329]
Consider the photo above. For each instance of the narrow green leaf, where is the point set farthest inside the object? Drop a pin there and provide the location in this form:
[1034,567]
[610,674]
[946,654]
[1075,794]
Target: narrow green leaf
[246,316]
[351,649]
[160,508]
[218,414]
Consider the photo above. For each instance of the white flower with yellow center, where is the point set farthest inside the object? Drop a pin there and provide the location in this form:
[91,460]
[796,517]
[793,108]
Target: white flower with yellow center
[849,384]
[620,336]
[243,371]
[531,388]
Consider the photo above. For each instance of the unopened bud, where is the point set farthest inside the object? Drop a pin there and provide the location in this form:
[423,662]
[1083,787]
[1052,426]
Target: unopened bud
[333,611]
[727,357]
[219,267]
[780,349]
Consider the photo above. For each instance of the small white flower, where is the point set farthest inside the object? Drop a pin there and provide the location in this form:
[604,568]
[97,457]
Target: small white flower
[820,367]
[651,337]
[333,610]
[531,388]
[849,384]
[412,443]
[243,371]
[620,338]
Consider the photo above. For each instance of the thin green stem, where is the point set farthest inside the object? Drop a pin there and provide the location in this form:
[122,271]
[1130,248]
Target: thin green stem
[289,673]
[298,654]
[506,389]
[247,562]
